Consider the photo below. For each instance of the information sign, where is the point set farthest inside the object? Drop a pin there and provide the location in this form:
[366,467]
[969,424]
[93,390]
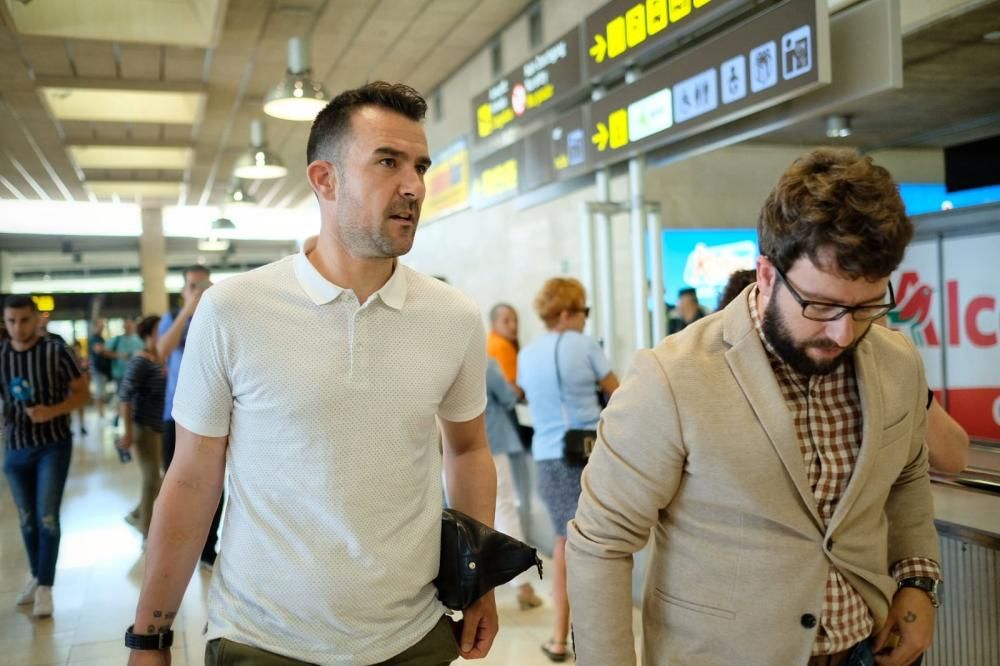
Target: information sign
[551,75]
[774,56]
[447,182]
[624,30]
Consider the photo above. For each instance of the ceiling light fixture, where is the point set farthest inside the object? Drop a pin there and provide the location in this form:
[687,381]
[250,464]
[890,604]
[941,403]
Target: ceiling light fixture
[211,244]
[838,126]
[298,97]
[238,195]
[222,224]
[258,163]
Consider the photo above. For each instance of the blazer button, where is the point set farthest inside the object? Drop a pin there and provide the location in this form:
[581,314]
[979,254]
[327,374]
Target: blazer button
[808,620]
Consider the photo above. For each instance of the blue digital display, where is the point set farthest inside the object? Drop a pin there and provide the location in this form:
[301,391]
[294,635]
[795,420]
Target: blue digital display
[920,198]
[704,259]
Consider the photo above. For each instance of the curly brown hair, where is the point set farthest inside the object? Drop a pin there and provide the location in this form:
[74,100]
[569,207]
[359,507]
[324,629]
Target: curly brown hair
[834,200]
[559,295]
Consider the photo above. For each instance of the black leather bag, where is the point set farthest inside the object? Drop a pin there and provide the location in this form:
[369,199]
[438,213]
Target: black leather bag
[476,558]
[578,445]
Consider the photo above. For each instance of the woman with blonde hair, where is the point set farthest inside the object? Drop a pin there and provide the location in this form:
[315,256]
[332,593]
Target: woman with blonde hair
[561,373]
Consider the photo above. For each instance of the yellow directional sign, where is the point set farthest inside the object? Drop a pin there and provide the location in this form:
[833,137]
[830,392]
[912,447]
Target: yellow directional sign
[634,24]
[614,133]
[601,138]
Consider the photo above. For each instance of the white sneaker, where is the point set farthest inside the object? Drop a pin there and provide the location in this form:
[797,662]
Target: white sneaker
[27,595]
[43,601]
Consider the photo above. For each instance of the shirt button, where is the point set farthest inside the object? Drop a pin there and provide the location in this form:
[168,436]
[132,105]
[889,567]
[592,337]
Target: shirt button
[808,620]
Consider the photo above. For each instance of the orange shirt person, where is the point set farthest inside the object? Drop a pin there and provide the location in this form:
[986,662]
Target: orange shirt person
[501,342]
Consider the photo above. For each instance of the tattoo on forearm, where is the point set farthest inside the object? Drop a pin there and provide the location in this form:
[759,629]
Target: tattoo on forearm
[165,628]
[150,629]
[171,615]
[910,617]
[157,613]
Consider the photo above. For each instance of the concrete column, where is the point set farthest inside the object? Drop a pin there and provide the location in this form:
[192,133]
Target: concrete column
[6,272]
[153,261]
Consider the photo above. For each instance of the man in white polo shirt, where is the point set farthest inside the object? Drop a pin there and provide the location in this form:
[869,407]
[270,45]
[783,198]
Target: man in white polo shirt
[320,379]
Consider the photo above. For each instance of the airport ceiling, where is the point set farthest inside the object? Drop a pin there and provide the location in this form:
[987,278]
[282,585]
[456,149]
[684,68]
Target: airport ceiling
[215,60]
[218,58]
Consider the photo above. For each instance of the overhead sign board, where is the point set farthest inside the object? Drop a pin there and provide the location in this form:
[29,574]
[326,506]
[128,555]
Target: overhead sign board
[447,182]
[557,151]
[536,85]
[497,177]
[624,30]
[781,53]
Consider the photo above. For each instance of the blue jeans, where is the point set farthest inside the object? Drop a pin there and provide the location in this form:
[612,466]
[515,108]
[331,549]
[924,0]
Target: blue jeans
[37,477]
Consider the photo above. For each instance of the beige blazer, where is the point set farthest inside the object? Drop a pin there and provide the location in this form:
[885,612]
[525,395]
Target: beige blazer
[698,447]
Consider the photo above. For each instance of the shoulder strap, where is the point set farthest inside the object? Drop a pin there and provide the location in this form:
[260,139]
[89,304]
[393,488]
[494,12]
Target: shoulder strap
[562,399]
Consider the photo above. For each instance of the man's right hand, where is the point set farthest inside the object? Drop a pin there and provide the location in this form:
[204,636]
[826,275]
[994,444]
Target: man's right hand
[192,297]
[149,658]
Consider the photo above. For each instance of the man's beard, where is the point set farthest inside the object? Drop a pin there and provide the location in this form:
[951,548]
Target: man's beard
[795,354]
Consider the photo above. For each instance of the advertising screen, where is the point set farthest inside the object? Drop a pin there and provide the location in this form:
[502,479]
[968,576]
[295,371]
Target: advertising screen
[703,259]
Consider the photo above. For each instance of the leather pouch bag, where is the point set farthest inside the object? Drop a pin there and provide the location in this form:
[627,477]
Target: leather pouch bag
[476,558]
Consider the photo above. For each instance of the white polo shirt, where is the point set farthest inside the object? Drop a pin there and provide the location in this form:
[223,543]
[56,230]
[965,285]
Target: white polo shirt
[333,525]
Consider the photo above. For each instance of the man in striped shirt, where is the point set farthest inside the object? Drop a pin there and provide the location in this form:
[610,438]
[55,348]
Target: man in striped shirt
[40,384]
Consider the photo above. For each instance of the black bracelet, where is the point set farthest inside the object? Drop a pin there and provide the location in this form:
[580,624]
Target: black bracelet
[148,641]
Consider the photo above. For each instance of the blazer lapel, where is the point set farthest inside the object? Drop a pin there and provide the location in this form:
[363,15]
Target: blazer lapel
[747,359]
[870,392]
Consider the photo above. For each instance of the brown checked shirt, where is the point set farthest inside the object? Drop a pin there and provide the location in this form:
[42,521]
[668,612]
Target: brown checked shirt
[826,410]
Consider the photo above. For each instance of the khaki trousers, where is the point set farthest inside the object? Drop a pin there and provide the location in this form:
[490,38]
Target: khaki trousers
[148,446]
[437,648]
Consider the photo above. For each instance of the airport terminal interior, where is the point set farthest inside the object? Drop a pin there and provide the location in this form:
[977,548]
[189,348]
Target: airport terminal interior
[628,144]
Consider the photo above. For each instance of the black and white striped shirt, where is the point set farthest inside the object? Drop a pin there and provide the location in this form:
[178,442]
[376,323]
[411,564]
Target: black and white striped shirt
[40,375]
[144,386]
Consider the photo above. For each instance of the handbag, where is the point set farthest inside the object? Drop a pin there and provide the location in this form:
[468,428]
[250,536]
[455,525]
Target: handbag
[578,443]
[476,558]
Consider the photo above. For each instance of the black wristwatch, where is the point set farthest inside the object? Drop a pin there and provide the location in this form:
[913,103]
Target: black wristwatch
[148,641]
[932,586]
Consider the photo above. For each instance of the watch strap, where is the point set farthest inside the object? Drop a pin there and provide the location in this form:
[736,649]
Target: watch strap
[135,641]
[932,586]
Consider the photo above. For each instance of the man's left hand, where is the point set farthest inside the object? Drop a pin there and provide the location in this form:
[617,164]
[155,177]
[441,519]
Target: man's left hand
[40,413]
[479,627]
[912,617]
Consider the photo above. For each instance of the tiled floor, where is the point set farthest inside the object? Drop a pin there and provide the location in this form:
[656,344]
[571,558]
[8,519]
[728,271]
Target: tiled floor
[100,570]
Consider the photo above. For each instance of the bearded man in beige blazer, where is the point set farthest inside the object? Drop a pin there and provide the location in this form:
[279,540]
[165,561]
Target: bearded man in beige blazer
[775,450]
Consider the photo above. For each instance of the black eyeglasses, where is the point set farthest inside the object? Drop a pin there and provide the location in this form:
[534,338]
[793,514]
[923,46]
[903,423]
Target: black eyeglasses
[585,310]
[819,311]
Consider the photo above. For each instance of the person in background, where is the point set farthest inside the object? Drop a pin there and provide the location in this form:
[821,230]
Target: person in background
[141,394]
[738,281]
[688,310]
[504,442]
[561,372]
[40,386]
[123,347]
[76,350]
[502,345]
[100,364]
[171,345]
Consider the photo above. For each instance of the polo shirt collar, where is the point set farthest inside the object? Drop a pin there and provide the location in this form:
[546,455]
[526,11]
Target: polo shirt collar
[321,291]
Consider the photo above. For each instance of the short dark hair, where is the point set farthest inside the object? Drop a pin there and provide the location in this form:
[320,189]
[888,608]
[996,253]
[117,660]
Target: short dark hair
[687,291]
[836,200]
[145,328]
[334,121]
[18,301]
[195,268]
